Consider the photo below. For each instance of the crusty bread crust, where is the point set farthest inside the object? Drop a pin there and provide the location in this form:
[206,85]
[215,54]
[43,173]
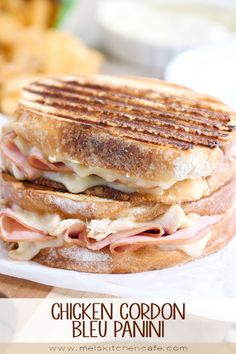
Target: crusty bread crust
[48,200]
[47,127]
[144,259]
[93,146]
[42,200]
[181,192]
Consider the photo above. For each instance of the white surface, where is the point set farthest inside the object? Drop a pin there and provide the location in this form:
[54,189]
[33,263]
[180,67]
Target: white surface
[207,277]
[210,69]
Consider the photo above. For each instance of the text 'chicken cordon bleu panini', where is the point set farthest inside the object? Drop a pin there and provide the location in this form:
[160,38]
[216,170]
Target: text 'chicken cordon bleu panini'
[117,175]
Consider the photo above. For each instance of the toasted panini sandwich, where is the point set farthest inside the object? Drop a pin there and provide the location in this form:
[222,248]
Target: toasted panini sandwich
[117,175]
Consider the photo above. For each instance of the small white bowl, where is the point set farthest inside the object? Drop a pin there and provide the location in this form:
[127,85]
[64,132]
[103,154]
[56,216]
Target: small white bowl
[129,35]
[210,69]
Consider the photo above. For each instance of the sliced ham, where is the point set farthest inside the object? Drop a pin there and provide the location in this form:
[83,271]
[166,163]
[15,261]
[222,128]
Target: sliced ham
[12,153]
[30,166]
[76,233]
[150,231]
[12,229]
[172,219]
[121,244]
[38,161]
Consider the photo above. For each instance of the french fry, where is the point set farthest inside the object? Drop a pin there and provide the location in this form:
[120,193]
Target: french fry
[38,13]
[17,9]
[28,50]
[8,29]
[10,92]
[72,57]
[42,52]
[27,53]
[42,13]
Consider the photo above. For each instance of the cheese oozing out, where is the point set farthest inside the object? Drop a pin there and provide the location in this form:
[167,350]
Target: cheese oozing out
[97,229]
[83,177]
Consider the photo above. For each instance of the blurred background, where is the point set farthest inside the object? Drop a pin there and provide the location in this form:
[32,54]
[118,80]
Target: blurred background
[191,42]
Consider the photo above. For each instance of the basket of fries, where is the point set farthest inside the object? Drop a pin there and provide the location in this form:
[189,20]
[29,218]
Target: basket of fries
[32,46]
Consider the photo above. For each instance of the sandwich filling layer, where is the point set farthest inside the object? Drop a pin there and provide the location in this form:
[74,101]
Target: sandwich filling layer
[30,232]
[29,163]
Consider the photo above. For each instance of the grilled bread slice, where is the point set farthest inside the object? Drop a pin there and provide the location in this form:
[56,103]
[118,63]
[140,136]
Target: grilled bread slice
[131,139]
[126,125]
[41,200]
[145,134]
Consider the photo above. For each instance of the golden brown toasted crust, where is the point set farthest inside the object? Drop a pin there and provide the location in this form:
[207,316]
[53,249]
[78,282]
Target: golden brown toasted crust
[43,200]
[147,129]
[144,259]
[185,191]
[47,200]
[216,203]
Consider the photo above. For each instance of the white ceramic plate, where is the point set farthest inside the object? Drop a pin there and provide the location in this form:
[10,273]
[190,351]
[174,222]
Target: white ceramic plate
[210,69]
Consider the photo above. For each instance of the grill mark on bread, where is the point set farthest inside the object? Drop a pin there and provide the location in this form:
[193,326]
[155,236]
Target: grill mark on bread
[136,101]
[196,106]
[134,111]
[145,137]
[130,112]
[118,120]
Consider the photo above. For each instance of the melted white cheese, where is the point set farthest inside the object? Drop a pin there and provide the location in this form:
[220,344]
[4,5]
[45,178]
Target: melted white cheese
[45,222]
[88,173]
[53,225]
[50,224]
[22,145]
[72,182]
[77,184]
[16,172]
[28,250]
[195,249]
[111,176]
[85,177]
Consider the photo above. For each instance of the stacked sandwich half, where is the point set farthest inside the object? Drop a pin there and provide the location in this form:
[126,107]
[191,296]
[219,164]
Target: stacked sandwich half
[117,175]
